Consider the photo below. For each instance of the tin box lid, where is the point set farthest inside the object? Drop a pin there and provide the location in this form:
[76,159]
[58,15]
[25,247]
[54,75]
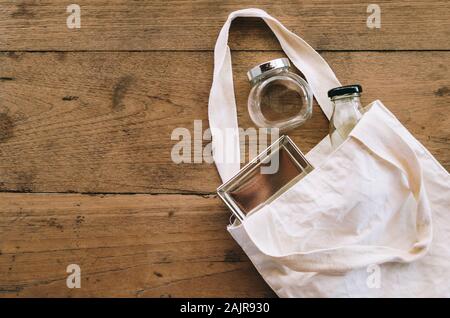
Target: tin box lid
[245,178]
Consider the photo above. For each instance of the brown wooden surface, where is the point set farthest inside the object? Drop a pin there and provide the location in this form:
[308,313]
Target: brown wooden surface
[101,122]
[85,132]
[126,246]
[194,25]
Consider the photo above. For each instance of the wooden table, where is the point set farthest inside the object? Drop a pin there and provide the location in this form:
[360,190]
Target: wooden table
[86,117]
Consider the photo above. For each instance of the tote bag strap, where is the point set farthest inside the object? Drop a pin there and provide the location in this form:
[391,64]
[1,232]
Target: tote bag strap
[222,105]
[385,142]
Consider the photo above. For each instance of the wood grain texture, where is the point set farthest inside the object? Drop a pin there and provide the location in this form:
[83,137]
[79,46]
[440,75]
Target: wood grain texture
[102,122]
[99,120]
[194,25]
[125,245]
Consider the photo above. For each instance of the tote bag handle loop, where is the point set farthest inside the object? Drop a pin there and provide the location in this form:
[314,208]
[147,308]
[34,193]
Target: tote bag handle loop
[222,105]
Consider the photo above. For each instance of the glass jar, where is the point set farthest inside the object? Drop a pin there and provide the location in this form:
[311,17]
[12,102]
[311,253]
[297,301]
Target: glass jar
[279,98]
[347,111]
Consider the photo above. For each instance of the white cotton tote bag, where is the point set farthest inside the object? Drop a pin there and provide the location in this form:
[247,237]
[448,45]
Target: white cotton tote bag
[371,220]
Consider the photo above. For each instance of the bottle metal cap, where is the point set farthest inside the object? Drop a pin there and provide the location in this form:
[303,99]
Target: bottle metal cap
[345,90]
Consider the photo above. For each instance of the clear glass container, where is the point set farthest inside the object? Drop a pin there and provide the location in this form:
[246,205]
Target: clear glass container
[279,98]
[347,111]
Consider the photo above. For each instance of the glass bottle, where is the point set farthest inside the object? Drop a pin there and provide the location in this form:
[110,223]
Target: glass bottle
[347,111]
[279,98]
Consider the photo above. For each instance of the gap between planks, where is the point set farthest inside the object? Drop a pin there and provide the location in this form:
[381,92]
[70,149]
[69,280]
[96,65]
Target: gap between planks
[212,50]
[182,192]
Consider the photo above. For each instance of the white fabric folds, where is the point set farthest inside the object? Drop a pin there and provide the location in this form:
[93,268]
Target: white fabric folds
[371,220]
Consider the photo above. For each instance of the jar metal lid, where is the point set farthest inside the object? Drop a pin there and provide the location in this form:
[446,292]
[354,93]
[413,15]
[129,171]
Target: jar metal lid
[262,68]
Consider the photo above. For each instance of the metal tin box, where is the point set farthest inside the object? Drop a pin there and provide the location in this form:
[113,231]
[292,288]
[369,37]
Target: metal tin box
[264,178]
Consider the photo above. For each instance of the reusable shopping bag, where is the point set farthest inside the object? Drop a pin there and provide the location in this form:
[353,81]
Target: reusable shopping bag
[375,207]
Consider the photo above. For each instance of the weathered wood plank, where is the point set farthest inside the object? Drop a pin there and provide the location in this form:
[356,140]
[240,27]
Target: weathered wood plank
[125,245]
[194,25]
[102,122]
